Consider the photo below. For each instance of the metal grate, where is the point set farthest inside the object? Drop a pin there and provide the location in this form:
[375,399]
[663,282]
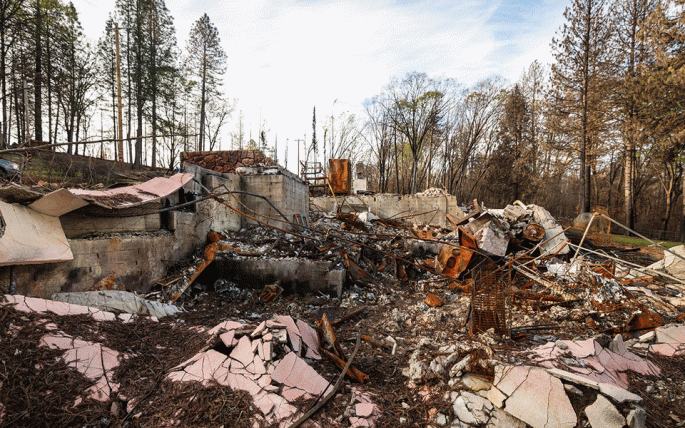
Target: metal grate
[490,300]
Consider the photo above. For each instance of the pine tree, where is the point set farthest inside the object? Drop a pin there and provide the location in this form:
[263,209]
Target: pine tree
[208,62]
[631,53]
[662,109]
[580,82]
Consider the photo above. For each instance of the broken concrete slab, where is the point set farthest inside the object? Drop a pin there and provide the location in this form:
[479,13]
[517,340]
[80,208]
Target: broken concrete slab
[603,414]
[619,395]
[118,300]
[554,233]
[93,360]
[293,371]
[35,304]
[535,397]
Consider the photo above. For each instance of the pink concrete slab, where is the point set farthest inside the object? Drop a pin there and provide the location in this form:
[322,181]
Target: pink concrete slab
[228,338]
[31,237]
[255,345]
[268,351]
[130,196]
[675,334]
[594,363]
[667,349]
[581,348]
[243,351]
[264,380]
[310,338]
[540,400]
[263,402]
[259,330]
[205,367]
[259,368]
[268,337]
[35,304]
[247,385]
[226,325]
[274,324]
[189,360]
[295,372]
[283,411]
[293,331]
[509,378]
[356,422]
[364,410]
[292,394]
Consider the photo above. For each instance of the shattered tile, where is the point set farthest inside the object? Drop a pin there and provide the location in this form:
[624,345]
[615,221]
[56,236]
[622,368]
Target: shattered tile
[295,372]
[226,325]
[229,339]
[243,351]
[259,330]
[310,338]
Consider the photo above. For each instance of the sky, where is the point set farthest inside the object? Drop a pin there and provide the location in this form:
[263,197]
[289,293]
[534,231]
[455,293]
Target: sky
[285,57]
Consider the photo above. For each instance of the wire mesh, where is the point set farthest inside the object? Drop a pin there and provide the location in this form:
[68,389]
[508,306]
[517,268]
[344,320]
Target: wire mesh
[491,301]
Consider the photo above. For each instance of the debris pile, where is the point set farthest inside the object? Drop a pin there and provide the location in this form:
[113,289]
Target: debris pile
[502,319]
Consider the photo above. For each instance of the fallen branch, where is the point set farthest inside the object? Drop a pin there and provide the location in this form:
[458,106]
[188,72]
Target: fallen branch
[320,404]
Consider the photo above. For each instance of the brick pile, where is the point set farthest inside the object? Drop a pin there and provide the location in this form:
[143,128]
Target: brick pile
[226,161]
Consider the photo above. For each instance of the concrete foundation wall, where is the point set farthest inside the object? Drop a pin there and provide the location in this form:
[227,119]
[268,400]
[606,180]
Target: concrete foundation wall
[288,194]
[161,240]
[420,209]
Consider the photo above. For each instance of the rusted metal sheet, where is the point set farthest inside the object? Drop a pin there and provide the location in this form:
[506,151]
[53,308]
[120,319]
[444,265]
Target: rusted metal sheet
[643,320]
[340,176]
[452,261]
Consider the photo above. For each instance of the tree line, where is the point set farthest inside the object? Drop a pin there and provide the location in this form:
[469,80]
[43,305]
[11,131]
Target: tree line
[53,80]
[602,127]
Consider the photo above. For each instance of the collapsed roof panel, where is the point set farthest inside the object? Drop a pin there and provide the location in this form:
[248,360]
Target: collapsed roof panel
[30,237]
[131,196]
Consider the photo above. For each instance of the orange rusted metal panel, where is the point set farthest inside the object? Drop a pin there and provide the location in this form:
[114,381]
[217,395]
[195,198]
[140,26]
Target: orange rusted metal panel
[340,176]
[452,261]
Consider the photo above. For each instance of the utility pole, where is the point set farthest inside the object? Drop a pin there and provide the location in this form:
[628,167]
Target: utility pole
[299,167]
[287,143]
[27,134]
[120,129]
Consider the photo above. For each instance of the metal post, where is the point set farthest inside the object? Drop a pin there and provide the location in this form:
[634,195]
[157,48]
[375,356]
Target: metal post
[27,134]
[120,129]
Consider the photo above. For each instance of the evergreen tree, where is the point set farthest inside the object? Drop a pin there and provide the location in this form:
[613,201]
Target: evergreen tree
[580,80]
[208,61]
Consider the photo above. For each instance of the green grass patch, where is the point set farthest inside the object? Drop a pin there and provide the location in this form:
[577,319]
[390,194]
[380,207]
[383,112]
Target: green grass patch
[639,242]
